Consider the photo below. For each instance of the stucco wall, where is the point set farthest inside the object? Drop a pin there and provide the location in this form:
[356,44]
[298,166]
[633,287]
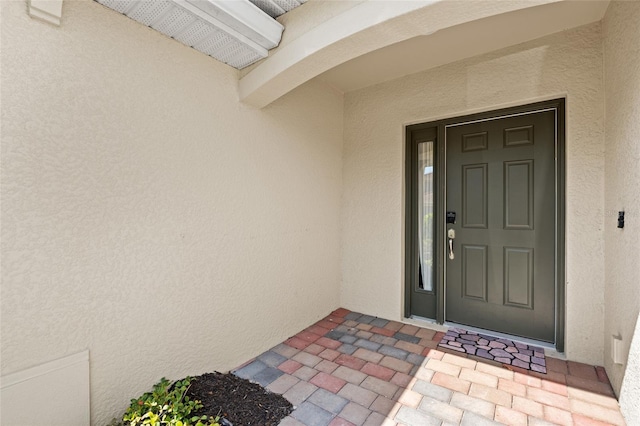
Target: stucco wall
[621,34]
[630,392]
[568,63]
[147,215]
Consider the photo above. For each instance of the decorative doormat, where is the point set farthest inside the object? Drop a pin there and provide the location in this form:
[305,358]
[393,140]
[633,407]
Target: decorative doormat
[496,349]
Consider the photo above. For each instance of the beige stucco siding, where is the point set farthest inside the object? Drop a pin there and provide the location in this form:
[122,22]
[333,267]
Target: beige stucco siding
[147,215]
[566,64]
[150,217]
[621,34]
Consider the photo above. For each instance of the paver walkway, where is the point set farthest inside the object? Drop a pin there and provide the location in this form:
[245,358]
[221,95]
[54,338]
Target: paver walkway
[354,369]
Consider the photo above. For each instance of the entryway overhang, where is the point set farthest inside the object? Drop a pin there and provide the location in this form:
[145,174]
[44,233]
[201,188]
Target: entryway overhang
[392,39]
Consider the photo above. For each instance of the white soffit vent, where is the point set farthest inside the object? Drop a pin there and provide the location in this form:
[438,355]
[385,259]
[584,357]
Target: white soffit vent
[235,32]
[275,8]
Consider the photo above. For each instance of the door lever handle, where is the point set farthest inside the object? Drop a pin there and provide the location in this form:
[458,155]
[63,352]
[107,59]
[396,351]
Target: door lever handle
[451,235]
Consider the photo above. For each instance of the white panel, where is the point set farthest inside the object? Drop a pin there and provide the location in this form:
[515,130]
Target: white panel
[287,4]
[215,42]
[174,22]
[235,32]
[231,51]
[118,5]
[244,59]
[241,19]
[195,33]
[148,12]
[269,7]
[56,393]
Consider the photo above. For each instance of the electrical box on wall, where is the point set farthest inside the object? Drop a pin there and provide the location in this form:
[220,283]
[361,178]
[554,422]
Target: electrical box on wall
[617,350]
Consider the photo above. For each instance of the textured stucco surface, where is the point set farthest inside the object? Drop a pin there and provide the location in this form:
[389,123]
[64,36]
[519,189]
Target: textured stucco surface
[147,215]
[621,34]
[150,217]
[630,392]
[349,30]
[568,63]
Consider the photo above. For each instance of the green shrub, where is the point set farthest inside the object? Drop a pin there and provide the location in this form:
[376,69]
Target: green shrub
[167,404]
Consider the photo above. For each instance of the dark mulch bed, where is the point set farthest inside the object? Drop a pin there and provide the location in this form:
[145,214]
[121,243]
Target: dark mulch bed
[238,400]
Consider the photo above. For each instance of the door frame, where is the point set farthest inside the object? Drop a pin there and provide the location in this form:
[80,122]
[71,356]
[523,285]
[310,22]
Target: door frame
[412,132]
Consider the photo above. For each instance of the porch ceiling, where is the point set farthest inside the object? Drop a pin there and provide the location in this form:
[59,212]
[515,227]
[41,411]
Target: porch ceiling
[462,41]
[372,42]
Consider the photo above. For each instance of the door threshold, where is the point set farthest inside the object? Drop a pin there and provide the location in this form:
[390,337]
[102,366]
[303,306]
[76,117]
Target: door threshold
[531,342]
[424,322]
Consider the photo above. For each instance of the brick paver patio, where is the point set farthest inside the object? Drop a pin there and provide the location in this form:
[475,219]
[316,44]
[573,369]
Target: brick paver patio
[355,369]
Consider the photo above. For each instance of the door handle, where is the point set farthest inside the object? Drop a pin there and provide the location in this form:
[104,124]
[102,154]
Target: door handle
[451,235]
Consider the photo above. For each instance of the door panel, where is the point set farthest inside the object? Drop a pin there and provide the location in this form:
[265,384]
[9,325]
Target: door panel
[518,277]
[474,195]
[501,183]
[518,195]
[474,272]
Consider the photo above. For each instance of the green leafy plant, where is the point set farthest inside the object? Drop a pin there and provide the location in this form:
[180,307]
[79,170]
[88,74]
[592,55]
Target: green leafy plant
[167,404]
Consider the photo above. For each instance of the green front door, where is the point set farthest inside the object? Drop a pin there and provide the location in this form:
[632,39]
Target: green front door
[500,252]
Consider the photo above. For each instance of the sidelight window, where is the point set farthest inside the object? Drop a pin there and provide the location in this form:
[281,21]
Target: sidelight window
[425,215]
